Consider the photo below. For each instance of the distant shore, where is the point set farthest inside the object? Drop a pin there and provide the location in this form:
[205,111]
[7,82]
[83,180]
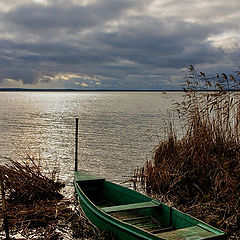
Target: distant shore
[85,90]
[102,90]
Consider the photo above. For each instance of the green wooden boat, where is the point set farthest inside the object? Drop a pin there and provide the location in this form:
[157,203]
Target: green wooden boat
[131,215]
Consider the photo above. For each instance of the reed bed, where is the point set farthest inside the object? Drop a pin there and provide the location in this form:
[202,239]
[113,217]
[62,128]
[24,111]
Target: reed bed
[36,209]
[25,182]
[200,172]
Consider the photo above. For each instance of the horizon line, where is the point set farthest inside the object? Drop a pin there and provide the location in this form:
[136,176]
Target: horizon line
[87,90]
[106,90]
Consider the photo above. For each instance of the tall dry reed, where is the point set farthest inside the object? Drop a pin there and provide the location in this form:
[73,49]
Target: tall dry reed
[202,169]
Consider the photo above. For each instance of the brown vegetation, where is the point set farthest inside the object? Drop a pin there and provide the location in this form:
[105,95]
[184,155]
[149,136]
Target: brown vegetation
[200,172]
[25,182]
[37,210]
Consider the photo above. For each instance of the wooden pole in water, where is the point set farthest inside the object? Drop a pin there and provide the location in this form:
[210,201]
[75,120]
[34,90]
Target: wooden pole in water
[4,206]
[76,146]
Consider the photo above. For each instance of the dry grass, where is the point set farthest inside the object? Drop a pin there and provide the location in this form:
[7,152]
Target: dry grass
[25,182]
[200,172]
[36,209]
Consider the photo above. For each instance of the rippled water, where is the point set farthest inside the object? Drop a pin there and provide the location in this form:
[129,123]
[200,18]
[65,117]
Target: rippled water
[117,130]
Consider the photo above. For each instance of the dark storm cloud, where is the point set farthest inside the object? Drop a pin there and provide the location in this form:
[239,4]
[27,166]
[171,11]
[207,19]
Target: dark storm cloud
[37,17]
[158,43]
[106,38]
[35,56]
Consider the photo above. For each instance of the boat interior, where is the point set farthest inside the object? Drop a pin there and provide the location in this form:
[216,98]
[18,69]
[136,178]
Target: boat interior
[142,211]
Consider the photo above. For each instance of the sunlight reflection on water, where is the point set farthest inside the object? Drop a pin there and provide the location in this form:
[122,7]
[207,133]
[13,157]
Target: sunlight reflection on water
[117,130]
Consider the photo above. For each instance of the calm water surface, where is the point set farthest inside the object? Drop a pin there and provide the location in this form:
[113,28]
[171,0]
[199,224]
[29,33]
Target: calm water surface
[117,130]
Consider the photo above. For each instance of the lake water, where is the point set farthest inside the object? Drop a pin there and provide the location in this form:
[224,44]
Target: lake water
[117,130]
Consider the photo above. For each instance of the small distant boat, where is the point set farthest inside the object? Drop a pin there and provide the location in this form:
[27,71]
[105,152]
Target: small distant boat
[131,215]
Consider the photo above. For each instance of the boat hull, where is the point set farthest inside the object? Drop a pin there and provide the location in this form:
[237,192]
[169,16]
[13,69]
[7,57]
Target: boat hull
[105,222]
[145,213]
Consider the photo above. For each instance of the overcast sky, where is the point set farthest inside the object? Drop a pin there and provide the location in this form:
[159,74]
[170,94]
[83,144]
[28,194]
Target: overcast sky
[115,44]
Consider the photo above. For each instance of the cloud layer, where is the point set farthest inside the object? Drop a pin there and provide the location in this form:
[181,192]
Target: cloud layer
[113,44]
